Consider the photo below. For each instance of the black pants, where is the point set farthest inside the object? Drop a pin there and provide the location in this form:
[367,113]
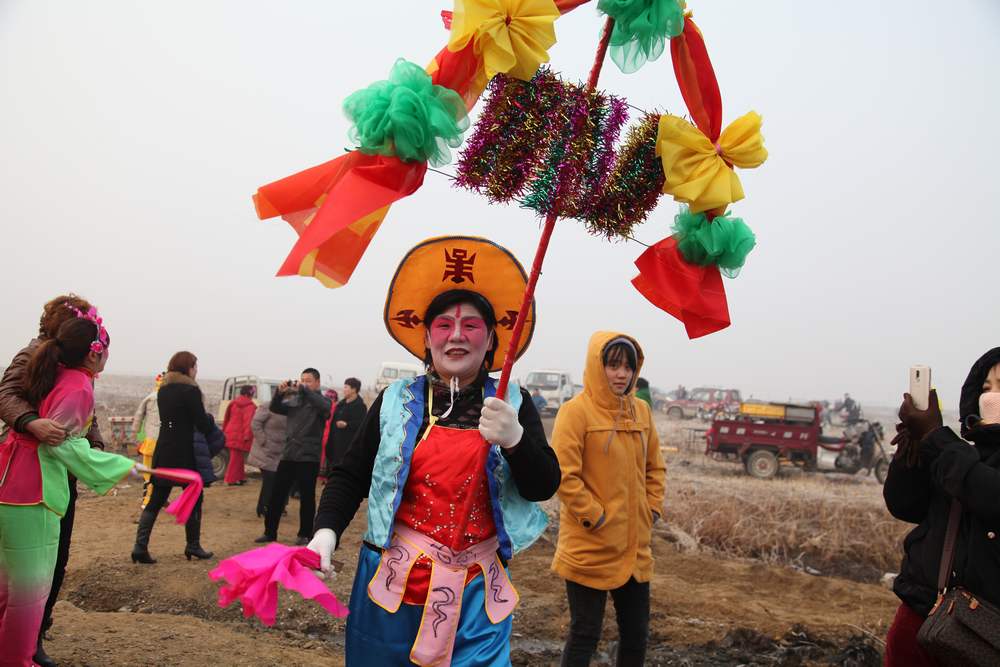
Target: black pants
[65,535]
[586,616]
[266,490]
[305,474]
[161,494]
[159,497]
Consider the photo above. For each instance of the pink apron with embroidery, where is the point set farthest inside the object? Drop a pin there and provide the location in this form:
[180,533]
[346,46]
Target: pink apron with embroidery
[445,516]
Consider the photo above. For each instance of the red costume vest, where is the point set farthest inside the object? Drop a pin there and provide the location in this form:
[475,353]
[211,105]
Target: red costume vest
[446,498]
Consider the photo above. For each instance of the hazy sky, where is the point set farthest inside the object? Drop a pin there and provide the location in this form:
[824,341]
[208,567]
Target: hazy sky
[134,133]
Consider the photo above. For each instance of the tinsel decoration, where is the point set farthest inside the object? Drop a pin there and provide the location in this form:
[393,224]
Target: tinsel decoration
[497,161]
[548,141]
[633,187]
[531,131]
[560,179]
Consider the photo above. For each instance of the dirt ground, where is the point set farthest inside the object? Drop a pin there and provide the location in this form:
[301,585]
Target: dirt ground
[707,608]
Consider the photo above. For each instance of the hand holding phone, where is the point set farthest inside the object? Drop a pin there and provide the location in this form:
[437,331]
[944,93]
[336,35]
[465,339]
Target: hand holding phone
[920,386]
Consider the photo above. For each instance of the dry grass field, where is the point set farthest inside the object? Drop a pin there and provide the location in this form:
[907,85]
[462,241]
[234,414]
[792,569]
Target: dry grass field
[833,524]
[748,572]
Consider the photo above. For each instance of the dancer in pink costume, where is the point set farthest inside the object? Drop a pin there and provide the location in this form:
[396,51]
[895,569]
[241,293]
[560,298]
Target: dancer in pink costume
[34,492]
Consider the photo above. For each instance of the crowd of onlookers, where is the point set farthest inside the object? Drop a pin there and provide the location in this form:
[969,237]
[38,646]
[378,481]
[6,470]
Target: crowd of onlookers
[949,486]
[292,438]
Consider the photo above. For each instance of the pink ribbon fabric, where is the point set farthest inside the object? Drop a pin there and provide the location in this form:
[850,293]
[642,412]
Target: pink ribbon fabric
[436,637]
[184,504]
[252,577]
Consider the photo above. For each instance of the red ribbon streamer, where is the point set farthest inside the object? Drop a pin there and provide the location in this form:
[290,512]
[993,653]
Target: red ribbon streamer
[693,294]
[337,207]
[322,202]
[697,80]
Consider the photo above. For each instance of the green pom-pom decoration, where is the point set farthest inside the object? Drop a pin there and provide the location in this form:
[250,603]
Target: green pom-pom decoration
[641,30]
[407,116]
[725,241]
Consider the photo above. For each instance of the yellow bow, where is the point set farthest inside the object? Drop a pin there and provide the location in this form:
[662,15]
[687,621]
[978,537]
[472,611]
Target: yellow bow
[699,173]
[511,36]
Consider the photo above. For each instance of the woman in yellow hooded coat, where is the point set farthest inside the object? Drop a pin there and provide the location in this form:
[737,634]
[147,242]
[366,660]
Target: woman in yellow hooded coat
[613,479]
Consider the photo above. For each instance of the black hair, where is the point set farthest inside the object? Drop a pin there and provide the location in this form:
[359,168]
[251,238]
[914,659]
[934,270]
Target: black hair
[642,383]
[69,347]
[313,372]
[620,352]
[353,383]
[968,405]
[446,300]
[248,390]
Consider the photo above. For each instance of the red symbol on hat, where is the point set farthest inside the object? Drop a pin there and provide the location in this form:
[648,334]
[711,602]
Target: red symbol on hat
[458,266]
[508,320]
[406,318]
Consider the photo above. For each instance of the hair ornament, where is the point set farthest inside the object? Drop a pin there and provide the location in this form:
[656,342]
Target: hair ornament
[103,341]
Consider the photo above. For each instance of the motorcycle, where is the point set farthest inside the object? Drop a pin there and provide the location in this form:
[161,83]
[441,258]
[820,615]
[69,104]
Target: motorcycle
[861,448]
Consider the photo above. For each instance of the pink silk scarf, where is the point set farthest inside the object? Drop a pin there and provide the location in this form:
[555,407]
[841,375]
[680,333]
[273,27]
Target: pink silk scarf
[184,504]
[252,577]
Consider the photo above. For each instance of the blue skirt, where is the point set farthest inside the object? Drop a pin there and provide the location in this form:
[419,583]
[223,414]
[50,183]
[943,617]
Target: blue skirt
[376,637]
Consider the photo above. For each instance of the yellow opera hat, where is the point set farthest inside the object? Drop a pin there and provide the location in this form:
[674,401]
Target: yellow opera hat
[447,263]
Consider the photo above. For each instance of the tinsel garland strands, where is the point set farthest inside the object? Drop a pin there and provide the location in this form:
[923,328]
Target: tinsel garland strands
[529,132]
[506,146]
[525,139]
[633,186]
[608,120]
[562,173]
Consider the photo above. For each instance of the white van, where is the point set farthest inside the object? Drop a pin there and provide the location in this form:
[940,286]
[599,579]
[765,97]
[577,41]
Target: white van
[264,389]
[390,371]
[555,386]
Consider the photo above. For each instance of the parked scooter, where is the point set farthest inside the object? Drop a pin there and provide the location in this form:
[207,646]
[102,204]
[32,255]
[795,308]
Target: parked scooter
[861,448]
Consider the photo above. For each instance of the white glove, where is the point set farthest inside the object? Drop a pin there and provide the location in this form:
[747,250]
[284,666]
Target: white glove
[324,542]
[498,423]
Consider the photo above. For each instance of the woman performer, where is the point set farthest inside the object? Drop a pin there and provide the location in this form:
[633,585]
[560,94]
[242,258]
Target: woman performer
[451,472]
[23,417]
[34,489]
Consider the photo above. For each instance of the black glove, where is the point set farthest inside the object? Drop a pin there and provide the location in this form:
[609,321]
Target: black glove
[920,422]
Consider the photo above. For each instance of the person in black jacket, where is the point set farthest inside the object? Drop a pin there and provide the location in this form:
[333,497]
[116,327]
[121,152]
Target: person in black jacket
[931,467]
[307,410]
[182,411]
[347,419]
[452,473]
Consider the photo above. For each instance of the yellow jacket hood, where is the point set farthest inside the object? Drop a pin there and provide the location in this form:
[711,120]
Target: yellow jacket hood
[595,380]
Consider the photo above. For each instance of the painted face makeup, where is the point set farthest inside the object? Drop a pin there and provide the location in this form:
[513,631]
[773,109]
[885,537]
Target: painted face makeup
[458,325]
[458,341]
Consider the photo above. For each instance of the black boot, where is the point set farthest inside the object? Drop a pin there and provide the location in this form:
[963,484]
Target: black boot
[42,658]
[140,552]
[192,530]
